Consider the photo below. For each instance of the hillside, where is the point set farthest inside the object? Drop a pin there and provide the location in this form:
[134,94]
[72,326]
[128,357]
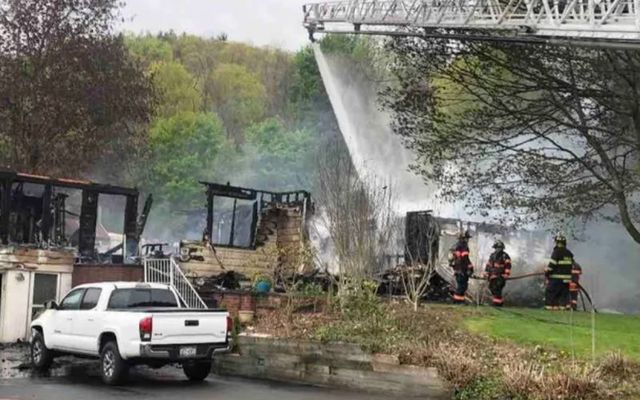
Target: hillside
[224,112]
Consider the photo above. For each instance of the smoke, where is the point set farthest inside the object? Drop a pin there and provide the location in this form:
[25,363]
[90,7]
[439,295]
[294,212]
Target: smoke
[609,258]
[606,252]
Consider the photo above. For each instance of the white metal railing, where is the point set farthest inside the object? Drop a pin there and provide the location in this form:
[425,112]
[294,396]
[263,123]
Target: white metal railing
[167,271]
[609,20]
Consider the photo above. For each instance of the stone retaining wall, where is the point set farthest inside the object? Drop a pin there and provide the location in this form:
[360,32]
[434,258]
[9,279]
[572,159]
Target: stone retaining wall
[332,365]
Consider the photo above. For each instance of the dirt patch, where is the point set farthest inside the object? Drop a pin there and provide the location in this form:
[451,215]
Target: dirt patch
[300,325]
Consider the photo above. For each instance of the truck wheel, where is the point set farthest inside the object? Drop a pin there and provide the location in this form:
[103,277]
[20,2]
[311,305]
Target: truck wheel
[197,370]
[41,357]
[112,367]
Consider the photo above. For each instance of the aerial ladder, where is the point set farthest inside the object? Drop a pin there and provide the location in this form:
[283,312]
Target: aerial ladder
[608,23]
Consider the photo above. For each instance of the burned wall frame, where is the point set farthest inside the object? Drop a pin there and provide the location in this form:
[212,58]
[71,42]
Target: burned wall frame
[261,200]
[50,224]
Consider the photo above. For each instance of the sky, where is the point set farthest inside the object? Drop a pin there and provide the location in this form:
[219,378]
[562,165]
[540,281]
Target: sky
[260,22]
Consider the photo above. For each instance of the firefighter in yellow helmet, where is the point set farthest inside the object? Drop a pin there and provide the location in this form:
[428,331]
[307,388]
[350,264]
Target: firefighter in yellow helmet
[559,275]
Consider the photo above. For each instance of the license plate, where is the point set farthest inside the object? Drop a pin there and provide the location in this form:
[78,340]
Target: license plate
[187,351]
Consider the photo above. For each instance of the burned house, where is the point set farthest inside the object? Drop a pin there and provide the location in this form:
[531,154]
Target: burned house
[246,231]
[429,238]
[48,229]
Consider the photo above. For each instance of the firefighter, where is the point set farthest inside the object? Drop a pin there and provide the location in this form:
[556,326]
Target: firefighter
[462,266]
[574,285]
[558,275]
[498,268]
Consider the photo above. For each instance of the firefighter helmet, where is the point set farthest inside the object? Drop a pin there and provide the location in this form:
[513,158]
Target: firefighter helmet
[560,238]
[498,245]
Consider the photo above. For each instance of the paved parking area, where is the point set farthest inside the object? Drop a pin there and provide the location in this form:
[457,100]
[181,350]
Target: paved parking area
[167,383]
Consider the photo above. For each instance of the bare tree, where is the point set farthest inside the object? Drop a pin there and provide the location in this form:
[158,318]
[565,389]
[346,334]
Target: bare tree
[417,273]
[285,275]
[357,213]
[416,278]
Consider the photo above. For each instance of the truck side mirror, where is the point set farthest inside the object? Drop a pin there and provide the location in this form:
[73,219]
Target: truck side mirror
[50,305]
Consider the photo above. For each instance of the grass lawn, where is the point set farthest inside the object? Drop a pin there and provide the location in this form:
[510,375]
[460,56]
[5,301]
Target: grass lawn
[563,331]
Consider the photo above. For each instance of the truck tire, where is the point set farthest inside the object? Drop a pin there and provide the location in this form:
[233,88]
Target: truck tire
[41,356]
[113,368]
[197,371]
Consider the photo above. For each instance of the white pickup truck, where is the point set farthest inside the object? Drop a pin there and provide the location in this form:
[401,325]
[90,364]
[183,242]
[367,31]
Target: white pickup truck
[128,323]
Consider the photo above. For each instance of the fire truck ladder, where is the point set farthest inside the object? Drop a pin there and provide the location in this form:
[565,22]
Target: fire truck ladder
[614,22]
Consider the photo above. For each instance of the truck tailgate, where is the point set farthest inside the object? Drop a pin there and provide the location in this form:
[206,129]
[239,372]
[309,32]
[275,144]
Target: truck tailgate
[189,327]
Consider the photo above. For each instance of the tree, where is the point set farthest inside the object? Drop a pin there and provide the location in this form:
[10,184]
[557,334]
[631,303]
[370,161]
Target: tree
[68,86]
[276,157]
[177,89]
[307,82]
[238,97]
[524,133]
[308,104]
[199,56]
[185,148]
[149,49]
[357,213]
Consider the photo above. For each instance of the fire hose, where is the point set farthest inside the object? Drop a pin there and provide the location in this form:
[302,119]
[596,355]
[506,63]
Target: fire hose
[583,291]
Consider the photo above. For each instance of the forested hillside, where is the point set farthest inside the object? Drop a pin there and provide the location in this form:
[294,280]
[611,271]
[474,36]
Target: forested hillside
[158,112]
[228,112]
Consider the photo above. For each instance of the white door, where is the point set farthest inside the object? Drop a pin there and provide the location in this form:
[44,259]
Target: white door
[62,322]
[86,322]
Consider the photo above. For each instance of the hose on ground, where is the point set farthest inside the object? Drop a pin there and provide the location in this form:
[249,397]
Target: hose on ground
[586,294]
[533,274]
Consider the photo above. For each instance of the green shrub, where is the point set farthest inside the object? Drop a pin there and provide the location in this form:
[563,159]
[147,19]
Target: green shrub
[481,389]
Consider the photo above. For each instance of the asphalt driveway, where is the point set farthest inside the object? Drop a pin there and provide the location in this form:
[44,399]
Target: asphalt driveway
[83,383]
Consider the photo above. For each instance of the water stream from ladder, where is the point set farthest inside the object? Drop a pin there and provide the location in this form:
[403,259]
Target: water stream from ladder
[376,152]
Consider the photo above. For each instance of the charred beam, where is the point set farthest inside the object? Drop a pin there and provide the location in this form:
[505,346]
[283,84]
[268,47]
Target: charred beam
[60,216]
[88,221]
[75,184]
[233,223]
[209,232]
[235,192]
[45,227]
[5,210]
[146,209]
[131,227]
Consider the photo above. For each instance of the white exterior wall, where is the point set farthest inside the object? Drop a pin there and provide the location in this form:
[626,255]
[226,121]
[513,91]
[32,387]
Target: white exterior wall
[16,301]
[64,285]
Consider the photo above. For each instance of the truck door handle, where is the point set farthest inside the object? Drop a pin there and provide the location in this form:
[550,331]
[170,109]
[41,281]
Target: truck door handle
[69,319]
[90,320]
